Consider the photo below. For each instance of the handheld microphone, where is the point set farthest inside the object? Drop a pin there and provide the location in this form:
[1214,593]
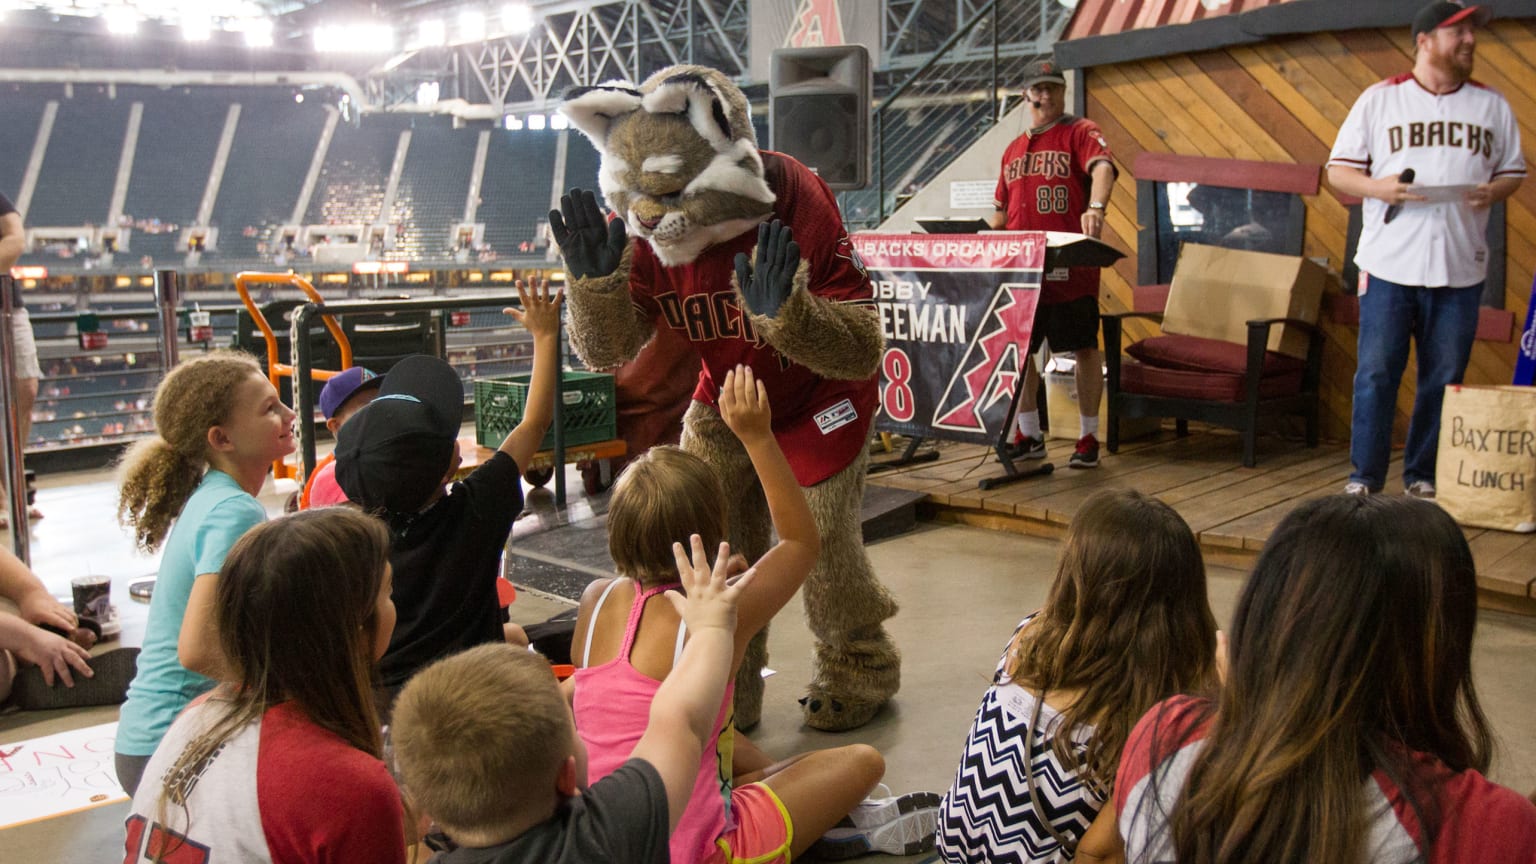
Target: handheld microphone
[1394,209]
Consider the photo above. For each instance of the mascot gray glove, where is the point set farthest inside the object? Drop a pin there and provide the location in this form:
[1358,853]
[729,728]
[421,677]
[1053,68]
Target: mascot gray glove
[590,244]
[768,284]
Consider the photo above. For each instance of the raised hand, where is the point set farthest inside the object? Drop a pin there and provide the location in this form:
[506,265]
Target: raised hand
[744,404]
[766,284]
[711,593]
[590,244]
[540,312]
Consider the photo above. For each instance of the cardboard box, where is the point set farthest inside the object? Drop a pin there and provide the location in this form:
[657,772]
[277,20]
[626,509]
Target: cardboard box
[1216,291]
[1061,403]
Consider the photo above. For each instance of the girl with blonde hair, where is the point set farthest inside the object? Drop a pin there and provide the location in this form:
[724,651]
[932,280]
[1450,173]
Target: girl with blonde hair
[219,427]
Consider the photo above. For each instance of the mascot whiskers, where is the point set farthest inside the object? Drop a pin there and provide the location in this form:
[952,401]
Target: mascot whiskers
[743,251]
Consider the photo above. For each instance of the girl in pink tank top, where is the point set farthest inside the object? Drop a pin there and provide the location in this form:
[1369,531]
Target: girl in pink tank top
[665,495]
[613,709]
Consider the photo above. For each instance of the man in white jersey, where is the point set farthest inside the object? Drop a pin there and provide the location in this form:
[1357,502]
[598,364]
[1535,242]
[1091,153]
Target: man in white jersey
[1426,260]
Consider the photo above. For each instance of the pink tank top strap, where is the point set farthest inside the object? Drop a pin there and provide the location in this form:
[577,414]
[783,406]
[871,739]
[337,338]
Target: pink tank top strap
[637,609]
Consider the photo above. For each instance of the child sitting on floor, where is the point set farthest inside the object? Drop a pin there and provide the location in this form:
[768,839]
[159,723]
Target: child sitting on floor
[220,413]
[1348,729]
[629,644]
[282,761]
[486,746]
[1126,624]
[397,457]
[341,397]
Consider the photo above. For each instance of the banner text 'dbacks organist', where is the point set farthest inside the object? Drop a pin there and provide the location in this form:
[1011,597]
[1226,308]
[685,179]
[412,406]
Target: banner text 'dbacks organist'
[956,311]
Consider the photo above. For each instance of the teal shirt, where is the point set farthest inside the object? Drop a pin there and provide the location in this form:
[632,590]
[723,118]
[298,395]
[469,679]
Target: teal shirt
[216,515]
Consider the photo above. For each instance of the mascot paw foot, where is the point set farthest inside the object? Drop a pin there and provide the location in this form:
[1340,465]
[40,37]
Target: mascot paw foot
[831,713]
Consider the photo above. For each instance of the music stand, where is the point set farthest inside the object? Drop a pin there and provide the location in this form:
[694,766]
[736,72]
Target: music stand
[1062,249]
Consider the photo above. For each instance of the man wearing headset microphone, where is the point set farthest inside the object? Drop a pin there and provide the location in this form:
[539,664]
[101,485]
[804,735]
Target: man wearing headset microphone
[1057,176]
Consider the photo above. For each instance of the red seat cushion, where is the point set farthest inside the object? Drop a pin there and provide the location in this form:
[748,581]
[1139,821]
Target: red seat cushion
[1149,380]
[1196,354]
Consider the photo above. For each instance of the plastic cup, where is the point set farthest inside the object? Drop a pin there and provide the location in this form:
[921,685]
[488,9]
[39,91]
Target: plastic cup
[93,596]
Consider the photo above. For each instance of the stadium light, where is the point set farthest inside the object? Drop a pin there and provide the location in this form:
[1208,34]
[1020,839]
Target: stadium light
[471,26]
[536,121]
[513,123]
[431,32]
[516,18]
[121,21]
[258,33]
[196,28]
[559,121]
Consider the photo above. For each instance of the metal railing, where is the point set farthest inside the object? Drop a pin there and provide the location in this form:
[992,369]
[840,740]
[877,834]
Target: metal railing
[15,469]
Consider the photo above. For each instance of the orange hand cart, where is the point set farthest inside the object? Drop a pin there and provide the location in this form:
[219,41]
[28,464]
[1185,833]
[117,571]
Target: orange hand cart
[277,367]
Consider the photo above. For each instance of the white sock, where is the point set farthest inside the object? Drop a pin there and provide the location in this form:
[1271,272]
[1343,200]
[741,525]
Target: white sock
[1029,424]
[1089,425]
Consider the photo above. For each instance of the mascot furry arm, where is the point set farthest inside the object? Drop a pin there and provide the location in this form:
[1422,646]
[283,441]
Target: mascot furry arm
[681,169]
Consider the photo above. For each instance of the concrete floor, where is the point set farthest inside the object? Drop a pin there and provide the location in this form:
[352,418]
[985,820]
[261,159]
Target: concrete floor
[962,589]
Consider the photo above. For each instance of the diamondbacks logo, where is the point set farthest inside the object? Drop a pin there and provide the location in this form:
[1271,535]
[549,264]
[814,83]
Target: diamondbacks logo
[1050,164]
[707,317]
[817,23]
[989,370]
[1477,140]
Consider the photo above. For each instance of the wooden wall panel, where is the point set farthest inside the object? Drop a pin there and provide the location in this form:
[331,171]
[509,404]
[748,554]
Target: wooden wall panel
[1283,101]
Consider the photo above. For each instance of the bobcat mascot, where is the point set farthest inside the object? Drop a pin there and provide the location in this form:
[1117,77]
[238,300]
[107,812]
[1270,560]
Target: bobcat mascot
[744,252]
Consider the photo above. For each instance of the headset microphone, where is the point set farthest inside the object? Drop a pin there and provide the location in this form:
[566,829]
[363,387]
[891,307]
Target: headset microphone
[1394,209]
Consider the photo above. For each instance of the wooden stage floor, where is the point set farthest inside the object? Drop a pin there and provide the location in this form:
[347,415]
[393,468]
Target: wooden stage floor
[1231,509]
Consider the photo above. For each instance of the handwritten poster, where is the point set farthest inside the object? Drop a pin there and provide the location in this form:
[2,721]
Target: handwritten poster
[58,774]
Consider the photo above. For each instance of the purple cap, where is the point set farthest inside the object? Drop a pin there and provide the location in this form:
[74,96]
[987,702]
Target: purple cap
[341,387]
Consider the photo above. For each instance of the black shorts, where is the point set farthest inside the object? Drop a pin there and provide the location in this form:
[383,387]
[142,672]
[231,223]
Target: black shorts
[1069,326]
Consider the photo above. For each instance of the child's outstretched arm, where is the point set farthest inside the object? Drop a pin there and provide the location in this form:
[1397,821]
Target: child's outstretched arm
[541,315]
[684,709]
[744,407]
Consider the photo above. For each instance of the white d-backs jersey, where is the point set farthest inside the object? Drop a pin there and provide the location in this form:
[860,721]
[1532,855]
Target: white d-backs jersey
[1463,138]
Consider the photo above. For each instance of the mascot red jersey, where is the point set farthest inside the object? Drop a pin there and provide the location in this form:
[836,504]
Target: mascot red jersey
[743,252]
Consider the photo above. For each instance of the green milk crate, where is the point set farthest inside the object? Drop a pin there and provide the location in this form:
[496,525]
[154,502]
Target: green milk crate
[589,409]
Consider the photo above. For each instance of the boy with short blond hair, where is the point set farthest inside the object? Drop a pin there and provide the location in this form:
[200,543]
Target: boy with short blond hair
[486,745]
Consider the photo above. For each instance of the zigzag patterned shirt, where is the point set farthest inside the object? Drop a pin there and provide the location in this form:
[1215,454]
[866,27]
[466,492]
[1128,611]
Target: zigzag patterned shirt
[986,816]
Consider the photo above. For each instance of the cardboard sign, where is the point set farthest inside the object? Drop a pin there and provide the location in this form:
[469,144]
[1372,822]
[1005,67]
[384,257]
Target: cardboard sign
[956,311]
[1216,292]
[1485,467]
[58,774]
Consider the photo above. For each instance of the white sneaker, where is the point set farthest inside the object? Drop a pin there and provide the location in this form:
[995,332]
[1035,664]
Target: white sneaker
[1355,487]
[1421,489]
[903,825]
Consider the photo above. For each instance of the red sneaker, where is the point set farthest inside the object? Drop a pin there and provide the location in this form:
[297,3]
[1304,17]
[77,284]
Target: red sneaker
[1087,453]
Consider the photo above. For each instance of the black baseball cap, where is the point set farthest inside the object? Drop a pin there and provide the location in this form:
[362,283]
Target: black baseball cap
[393,454]
[1443,14]
[1043,72]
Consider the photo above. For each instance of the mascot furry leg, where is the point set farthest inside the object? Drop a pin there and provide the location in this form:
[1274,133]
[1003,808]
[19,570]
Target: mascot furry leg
[856,666]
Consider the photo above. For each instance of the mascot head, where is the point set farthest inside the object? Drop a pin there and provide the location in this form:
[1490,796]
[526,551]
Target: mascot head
[680,163]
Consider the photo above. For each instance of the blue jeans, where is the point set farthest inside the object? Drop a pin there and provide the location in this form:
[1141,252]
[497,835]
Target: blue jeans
[1442,323]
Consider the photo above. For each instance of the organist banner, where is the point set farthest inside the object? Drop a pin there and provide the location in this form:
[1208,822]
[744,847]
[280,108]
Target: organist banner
[956,311]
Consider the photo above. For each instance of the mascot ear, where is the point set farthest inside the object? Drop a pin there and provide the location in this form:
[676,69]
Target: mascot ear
[593,109]
[694,95]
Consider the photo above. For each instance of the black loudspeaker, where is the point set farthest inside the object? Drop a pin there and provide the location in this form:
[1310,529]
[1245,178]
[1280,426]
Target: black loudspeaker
[818,111]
